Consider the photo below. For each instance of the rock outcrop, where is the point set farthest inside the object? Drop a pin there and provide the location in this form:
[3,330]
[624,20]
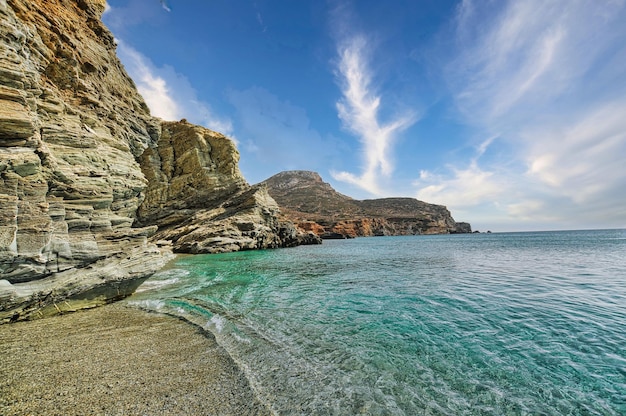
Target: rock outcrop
[201,202]
[315,206]
[87,175]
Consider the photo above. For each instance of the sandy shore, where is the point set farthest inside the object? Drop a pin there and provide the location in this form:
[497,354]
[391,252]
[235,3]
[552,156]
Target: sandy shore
[116,360]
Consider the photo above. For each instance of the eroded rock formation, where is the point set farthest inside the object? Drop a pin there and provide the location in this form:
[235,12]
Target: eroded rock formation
[201,202]
[71,125]
[87,175]
[315,206]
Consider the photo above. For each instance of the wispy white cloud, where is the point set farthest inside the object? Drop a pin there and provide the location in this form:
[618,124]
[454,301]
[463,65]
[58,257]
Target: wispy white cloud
[548,79]
[169,94]
[165,6]
[529,53]
[153,88]
[359,111]
[468,187]
[582,158]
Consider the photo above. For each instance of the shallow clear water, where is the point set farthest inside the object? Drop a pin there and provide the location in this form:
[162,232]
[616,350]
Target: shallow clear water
[479,324]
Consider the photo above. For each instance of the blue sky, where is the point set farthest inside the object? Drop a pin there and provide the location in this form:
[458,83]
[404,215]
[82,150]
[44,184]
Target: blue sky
[510,113]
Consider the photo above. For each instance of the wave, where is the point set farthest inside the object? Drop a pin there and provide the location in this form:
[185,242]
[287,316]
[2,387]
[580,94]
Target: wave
[417,325]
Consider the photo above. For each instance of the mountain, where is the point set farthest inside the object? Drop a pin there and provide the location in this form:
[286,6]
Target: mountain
[95,193]
[314,205]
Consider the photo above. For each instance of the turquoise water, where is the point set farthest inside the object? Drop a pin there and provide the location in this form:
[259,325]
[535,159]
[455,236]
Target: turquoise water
[479,324]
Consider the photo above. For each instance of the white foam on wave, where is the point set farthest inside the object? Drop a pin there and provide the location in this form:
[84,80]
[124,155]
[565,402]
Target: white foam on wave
[174,272]
[156,284]
[241,339]
[162,279]
[216,322]
[150,304]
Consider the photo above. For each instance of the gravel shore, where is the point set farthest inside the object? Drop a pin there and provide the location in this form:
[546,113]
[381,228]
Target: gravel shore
[116,360]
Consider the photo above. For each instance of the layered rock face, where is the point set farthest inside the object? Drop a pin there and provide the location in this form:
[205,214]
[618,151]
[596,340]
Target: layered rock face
[86,174]
[315,206]
[71,124]
[201,202]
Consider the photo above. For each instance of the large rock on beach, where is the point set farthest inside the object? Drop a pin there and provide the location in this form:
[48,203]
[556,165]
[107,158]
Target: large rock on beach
[71,127]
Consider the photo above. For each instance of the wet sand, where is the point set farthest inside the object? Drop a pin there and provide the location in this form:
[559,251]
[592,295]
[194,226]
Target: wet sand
[116,360]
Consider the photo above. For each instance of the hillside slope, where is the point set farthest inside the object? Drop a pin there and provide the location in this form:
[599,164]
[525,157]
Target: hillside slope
[314,205]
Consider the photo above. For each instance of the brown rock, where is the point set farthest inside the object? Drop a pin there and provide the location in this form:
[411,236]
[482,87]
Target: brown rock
[314,205]
[311,226]
[199,199]
[15,121]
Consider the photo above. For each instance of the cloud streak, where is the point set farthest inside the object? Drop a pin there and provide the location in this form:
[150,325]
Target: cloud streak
[153,88]
[165,6]
[358,109]
[548,80]
[168,94]
[582,158]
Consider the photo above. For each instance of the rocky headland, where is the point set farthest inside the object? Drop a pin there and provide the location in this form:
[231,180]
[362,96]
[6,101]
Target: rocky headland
[200,201]
[313,205]
[95,193]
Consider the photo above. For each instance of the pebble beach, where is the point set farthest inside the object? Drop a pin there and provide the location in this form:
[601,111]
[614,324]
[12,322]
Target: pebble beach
[115,360]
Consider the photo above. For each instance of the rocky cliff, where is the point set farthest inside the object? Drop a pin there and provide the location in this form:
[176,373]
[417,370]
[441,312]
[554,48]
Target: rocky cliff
[201,202]
[315,206]
[89,181]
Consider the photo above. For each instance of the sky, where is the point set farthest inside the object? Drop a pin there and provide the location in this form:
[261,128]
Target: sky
[512,113]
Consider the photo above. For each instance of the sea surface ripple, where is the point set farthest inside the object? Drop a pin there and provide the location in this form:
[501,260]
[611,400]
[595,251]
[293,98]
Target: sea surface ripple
[479,324]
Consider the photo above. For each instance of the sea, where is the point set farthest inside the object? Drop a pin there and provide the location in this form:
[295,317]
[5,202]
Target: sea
[530,323]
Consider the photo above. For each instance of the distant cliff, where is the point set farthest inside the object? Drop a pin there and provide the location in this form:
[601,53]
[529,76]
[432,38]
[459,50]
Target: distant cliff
[314,205]
[94,192]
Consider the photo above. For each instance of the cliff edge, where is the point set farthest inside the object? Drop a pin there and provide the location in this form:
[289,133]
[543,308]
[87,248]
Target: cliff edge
[94,192]
[201,202]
